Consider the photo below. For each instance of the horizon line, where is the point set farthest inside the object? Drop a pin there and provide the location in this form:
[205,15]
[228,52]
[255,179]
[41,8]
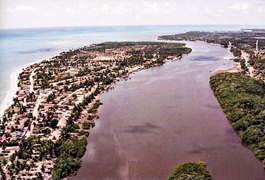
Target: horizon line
[129,25]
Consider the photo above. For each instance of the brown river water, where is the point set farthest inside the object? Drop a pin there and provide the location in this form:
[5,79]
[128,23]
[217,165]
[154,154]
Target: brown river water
[164,116]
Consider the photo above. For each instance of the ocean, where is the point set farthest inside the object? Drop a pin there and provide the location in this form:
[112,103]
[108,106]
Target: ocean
[21,47]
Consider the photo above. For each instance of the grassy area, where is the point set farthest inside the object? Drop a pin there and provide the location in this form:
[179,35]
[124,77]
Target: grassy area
[243,101]
[191,170]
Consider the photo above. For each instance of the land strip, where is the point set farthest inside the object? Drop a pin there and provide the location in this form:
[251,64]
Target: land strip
[43,133]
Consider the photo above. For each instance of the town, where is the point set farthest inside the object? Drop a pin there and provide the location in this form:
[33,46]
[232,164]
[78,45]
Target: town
[43,133]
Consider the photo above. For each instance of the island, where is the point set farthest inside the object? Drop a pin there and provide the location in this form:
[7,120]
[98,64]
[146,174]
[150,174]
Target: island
[241,90]
[43,134]
[191,170]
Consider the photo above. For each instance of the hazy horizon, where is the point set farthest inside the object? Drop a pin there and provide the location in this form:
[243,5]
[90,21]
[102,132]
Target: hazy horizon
[82,13]
[142,25]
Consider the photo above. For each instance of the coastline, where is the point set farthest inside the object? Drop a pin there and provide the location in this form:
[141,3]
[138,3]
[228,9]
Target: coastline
[13,88]
[10,93]
[130,70]
[92,141]
[69,97]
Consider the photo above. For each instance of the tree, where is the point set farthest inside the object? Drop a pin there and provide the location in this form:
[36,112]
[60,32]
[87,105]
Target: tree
[53,123]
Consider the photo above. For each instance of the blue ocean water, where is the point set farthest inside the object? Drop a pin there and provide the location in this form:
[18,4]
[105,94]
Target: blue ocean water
[21,47]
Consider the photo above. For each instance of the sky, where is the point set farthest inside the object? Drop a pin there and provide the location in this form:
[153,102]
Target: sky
[49,13]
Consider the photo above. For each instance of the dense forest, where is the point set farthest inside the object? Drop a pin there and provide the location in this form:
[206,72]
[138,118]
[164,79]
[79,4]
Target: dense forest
[243,101]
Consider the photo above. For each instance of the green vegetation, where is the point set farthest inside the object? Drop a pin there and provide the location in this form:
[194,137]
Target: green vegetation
[31,150]
[259,63]
[53,123]
[110,45]
[10,143]
[174,50]
[33,143]
[69,160]
[86,125]
[161,48]
[83,133]
[240,41]
[50,97]
[242,99]
[192,171]
[95,107]
[73,80]
[236,52]
[76,126]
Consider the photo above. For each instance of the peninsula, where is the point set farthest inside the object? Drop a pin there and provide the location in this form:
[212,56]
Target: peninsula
[43,133]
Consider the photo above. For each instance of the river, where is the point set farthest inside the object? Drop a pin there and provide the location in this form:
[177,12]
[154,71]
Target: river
[164,116]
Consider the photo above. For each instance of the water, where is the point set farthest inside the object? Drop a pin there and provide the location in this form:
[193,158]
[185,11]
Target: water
[21,47]
[163,117]
[160,118]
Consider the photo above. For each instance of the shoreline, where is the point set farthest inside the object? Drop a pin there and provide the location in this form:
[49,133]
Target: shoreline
[97,98]
[223,79]
[11,92]
[82,173]
[235,69]
[13,88]
[58,97]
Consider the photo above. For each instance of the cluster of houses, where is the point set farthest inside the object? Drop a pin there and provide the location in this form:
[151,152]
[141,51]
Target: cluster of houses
[48,93]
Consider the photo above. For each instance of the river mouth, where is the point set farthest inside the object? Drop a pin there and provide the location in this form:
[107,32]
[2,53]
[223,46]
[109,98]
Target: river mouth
[163,117]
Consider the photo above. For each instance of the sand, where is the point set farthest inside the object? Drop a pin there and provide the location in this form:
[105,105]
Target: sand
[8,100]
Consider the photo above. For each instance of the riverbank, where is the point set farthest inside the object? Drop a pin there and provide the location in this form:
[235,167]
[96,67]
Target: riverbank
[160,127]
[235,69]
[247,47]
[57,103]
[239,93]
[242,99]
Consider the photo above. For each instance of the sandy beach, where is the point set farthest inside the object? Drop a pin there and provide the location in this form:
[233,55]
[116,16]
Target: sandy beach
[236,68]
[7,101]
[11,92]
